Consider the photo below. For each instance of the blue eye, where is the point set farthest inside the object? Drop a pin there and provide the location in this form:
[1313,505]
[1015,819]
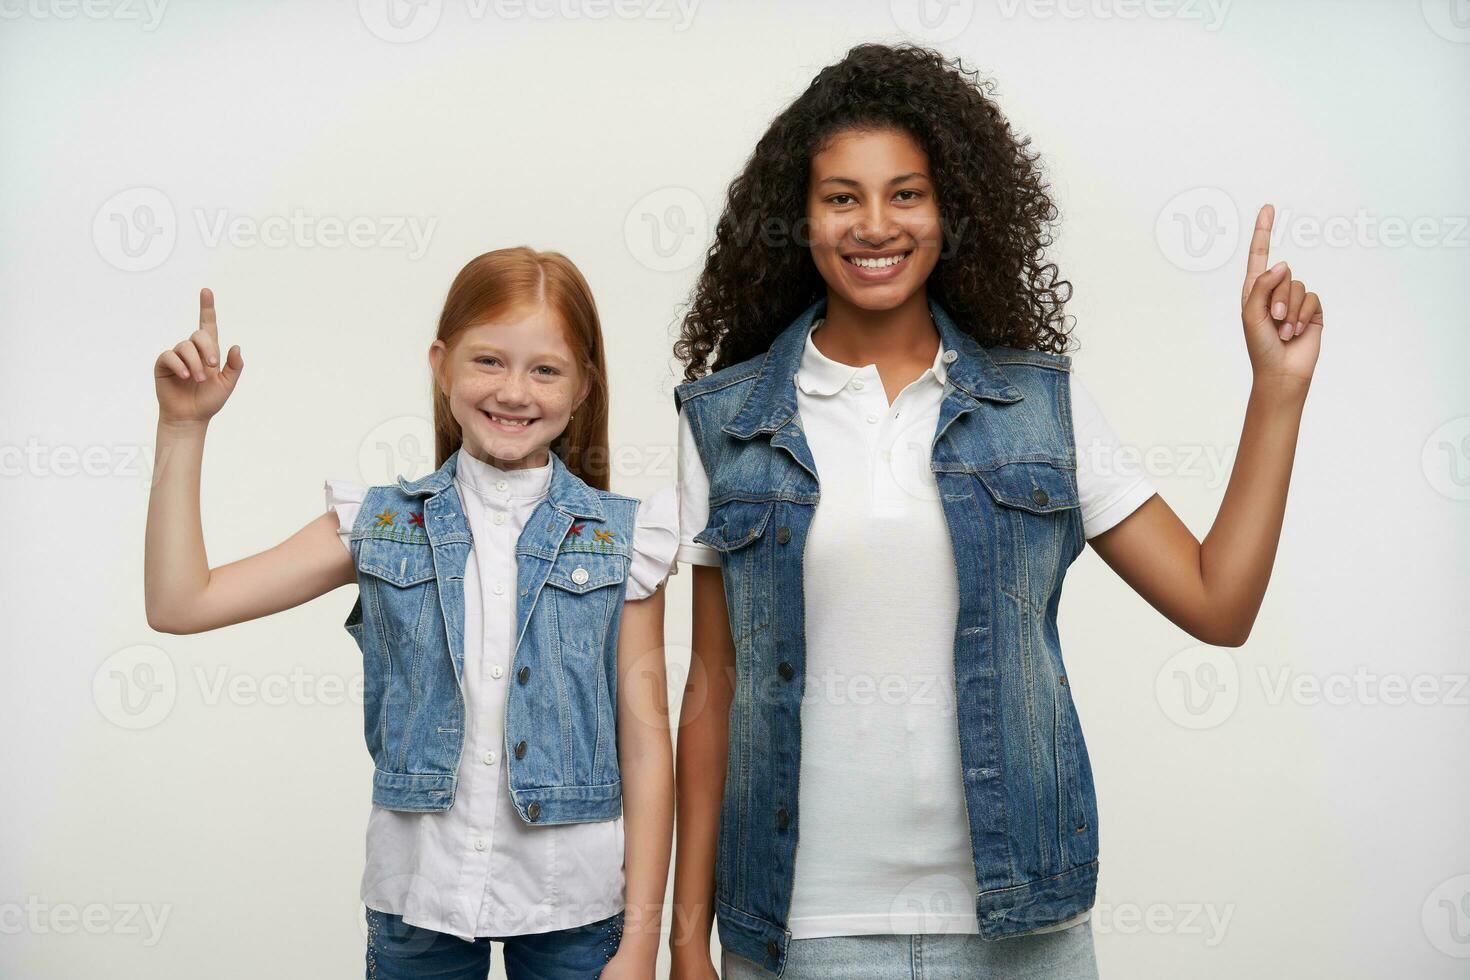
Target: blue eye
[487,357]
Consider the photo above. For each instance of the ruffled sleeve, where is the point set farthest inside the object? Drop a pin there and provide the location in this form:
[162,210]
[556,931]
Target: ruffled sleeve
[344,498]
[655,539]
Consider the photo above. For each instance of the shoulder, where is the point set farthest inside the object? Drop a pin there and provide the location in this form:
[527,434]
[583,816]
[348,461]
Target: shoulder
[1016,357]
[344,492]
[1040,375]
[655,542]
[726,377]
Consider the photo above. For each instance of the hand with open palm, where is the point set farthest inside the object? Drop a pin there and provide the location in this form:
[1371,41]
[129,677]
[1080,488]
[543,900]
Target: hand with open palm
[190,384]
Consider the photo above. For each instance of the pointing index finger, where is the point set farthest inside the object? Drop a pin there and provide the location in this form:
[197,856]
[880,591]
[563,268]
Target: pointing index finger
[1260,248]
[206,313]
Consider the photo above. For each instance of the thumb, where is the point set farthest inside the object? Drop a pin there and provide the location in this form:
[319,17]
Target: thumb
[1254,310]
[234,364]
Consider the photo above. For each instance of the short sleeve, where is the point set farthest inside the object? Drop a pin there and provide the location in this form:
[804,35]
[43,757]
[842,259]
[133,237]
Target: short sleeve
[693,500]
[344,499]
[655,538]
[1110,482]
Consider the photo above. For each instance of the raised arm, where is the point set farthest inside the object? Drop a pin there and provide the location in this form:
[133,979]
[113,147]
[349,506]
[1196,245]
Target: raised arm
[703,747]
[182,594]
[1214,589]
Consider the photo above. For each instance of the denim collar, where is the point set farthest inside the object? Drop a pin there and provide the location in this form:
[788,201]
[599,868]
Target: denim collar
[566,492]
[771,401]
[819,374]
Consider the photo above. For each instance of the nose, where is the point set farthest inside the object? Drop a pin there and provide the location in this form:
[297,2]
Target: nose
[512,391]
[874,227]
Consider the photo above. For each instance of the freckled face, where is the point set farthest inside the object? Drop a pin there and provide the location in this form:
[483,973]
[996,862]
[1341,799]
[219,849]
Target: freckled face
[513,384]
[875,224]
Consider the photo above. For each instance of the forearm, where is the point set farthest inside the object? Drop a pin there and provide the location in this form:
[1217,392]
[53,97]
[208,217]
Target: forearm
[700,776]
[648,826]
[1237,554]
[175,566]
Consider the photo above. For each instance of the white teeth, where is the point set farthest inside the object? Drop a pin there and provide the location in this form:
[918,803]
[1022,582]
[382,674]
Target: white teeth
[882,263]
[504,421]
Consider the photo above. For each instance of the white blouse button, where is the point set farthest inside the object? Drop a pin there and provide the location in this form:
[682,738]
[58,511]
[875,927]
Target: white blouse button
[857,384]
[500,517]
[489,758]
[479,843]
[496,671]
[579,575]
[872,417]
[501,484]
[499,589]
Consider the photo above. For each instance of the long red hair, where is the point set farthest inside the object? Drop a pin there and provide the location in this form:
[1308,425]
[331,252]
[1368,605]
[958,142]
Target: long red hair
[509,278]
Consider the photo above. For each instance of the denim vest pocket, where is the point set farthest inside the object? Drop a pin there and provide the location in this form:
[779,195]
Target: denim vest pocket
[735,524]
[400,584]
[1037,502]
[582,571]
[1039,486]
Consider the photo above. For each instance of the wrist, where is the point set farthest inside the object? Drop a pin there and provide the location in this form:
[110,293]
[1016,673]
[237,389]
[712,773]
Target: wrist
[182,426]
[1280,389]
[640,954]
[689,955]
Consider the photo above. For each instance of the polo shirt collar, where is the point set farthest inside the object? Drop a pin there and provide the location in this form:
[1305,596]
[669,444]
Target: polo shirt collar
[819,374]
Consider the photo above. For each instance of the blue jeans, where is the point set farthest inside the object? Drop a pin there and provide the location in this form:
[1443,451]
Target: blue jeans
[1062,955]
[398,951]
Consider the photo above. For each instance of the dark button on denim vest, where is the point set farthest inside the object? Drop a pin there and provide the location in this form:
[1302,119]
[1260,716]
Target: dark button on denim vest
[1004,462]
[411,543]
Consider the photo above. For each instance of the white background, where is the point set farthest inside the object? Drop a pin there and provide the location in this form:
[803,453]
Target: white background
[1248,829]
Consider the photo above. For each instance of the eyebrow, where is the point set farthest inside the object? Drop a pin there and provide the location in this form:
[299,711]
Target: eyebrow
[897,180]
[475,350]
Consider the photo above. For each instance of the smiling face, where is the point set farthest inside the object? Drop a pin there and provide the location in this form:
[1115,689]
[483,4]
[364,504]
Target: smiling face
[875,223]
[512,385]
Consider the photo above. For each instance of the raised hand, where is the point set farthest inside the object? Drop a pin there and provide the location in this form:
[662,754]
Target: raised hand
[191,384]
[1283,322]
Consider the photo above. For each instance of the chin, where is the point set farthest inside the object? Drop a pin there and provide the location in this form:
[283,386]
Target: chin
[888,296]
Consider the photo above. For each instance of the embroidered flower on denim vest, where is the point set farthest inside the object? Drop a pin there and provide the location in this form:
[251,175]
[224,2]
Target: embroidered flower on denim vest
[386,528]
[602,542]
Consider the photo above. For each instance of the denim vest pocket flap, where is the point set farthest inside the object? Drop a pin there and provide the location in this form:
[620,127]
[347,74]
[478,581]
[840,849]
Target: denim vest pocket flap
[582,571]
[397,563]
[735,524]
[1040,487]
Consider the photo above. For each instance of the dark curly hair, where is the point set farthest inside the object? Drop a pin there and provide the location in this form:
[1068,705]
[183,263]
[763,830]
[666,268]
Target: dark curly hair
[993,204]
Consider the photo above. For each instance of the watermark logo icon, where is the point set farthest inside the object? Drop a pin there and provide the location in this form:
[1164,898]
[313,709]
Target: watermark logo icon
[400,21]
[1197,230]
[136,229]
[1446,458]
[136,687]
[932,20]
[1198,687]
[666,230]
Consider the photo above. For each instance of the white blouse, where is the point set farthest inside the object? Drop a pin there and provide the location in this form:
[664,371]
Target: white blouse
[476,869]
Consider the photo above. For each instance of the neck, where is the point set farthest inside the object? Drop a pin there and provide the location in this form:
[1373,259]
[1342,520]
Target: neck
[530,461]
[853,335]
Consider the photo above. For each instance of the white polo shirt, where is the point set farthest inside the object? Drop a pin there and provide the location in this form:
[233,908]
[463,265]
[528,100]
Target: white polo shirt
[884,845]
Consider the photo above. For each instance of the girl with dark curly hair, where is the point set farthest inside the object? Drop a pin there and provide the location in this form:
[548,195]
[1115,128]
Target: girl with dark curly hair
[886,468]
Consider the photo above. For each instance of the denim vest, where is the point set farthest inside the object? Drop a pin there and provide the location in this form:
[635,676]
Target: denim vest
[1004,461]
[410,543]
